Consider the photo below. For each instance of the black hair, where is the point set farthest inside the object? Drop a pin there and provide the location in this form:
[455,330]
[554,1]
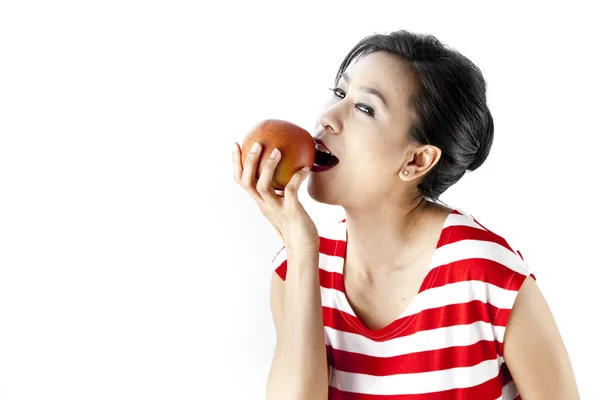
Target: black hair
[449,103]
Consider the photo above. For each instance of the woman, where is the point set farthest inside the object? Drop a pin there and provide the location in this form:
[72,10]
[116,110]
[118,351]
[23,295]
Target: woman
[405,298]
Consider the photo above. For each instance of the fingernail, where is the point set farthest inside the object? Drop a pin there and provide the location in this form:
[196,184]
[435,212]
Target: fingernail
[254,148]
[274,153]
[234,147]
[305,169]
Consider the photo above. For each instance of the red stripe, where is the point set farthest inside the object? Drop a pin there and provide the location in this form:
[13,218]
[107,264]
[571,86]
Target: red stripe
[326,246]
[464,232]
[328,280]
[501,317]
[425,361]
[282,270]
[477,269]
[341,249]
[441,317]
[331,280]
[487,390]
[451,234]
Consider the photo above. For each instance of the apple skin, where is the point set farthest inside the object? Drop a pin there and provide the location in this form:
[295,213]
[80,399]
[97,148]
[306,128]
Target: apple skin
[296,145]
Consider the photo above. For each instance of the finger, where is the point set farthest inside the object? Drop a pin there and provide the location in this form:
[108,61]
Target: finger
[248,181]
[237,164]
[264,186]
[250,166]
[291,189]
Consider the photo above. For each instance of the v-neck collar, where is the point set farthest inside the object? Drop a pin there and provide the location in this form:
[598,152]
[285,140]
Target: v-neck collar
[402,322]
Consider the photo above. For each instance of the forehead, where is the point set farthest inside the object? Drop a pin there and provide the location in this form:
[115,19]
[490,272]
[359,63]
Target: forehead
[386,72]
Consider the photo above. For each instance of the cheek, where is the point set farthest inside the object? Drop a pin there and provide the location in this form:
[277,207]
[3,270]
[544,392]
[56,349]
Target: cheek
[376,153]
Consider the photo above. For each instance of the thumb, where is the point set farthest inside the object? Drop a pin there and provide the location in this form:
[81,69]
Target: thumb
[291,189]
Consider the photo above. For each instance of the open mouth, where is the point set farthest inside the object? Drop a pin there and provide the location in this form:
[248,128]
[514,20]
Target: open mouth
[324,158]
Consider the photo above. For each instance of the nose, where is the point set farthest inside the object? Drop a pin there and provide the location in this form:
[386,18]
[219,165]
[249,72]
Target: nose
[330,118]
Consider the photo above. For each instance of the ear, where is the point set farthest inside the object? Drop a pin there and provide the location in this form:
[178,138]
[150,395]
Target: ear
[423,159]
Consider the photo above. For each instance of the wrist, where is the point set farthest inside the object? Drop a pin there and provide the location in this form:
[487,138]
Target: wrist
[301,244]
[301,263]
[301,251]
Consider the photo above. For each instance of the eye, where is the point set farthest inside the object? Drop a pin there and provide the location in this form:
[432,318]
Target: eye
[362,107]
[338,92]
[365,108]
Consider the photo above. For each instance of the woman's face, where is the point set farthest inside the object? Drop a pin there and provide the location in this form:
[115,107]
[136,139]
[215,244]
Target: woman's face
[367,133]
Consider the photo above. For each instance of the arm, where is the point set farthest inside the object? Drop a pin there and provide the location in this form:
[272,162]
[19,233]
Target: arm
[534,351]
[299,366]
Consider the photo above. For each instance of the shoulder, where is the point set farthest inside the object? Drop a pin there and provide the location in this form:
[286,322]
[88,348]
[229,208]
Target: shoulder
[332,235]
[494,269]
[476,267]
[484,250]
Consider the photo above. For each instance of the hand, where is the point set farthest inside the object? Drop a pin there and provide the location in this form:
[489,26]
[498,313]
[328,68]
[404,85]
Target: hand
[293,224]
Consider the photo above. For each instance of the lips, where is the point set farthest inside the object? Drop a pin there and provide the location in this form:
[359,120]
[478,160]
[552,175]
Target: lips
[324,158]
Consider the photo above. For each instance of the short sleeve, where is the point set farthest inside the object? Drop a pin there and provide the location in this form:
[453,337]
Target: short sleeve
[279,263]
[514,272]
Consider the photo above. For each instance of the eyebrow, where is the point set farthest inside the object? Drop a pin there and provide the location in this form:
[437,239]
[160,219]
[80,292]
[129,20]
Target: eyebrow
[366,89]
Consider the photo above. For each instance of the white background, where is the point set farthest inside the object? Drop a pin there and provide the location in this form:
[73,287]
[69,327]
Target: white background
[133,267]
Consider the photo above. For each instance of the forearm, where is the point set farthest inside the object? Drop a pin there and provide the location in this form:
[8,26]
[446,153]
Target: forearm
[299,369]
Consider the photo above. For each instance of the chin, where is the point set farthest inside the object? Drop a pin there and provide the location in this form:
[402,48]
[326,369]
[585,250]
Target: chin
[320,191]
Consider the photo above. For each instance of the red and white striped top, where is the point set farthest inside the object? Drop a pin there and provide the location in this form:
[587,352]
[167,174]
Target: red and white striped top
[448,342]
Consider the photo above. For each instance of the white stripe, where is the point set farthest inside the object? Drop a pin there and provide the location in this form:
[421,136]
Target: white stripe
[417,383]
[499,333]
[462,220]
[279,258]
[453,252]
[461,292]
[331,263]
[457,251]
[332,298]
[452,293]
[433,339]
[333,230]
[444,255]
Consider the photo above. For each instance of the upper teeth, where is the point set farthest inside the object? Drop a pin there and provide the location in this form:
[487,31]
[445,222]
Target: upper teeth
[320,147]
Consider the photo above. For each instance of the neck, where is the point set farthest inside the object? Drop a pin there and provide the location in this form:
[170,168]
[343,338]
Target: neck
[386,237]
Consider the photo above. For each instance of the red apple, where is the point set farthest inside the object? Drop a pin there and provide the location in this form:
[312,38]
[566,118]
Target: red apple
[296,145]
